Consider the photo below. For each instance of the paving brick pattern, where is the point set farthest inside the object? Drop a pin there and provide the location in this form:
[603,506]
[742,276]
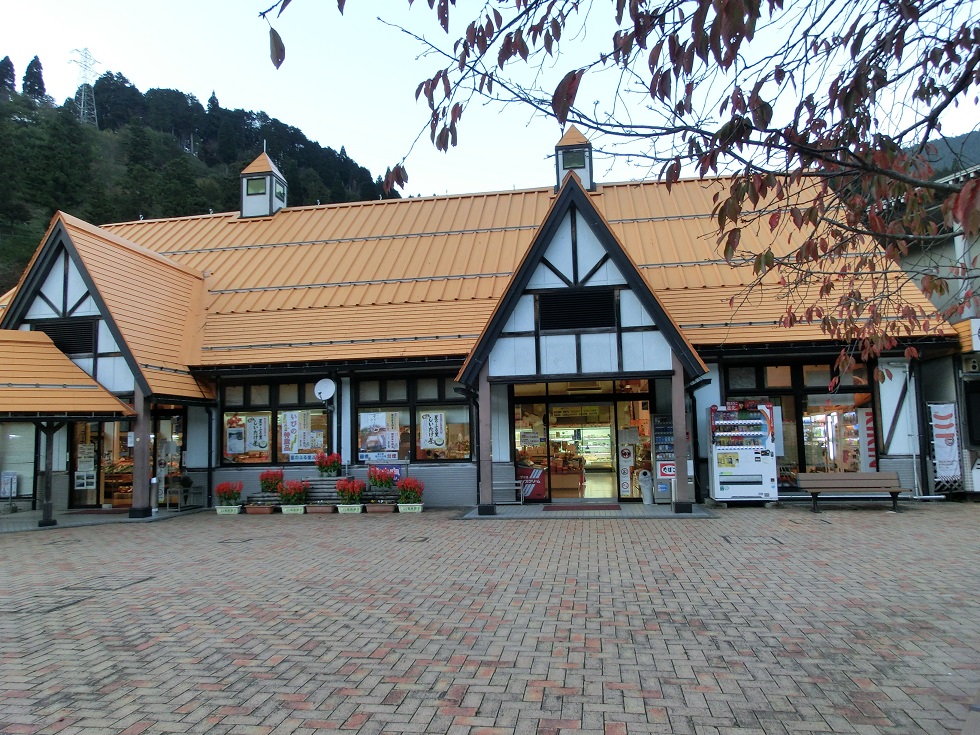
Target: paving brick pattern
[754,621]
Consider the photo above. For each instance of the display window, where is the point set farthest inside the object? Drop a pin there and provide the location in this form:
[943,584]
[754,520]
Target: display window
[379,434]
[248,437]
[302,433]
[421,420]
[17,443]
[273,422]
[442,432]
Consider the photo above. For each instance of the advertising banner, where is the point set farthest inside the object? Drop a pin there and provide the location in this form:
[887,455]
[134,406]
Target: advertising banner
[945,441]
[534,485]
[432,427]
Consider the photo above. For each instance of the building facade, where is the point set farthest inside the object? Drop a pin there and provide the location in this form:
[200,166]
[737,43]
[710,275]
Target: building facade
[573,338]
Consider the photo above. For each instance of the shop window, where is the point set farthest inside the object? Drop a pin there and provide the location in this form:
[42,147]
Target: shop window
[971,390]
[369,391]
[280,192]
[383,433]
[427,389]
[530,389]
[816,376]
[247,437]
[255,187]
[309,394]
[301,434]
[396,390]
[442,432]
[633,386]
[741,378]
[235,395]
[779,376]
[856,376]
[258,395]
[17,459]
[289,393]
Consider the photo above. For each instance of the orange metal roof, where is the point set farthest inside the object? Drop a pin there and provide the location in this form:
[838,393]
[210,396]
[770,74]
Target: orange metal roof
[36,378]
[420,277]
[262,165]
[572,136]
[154,301]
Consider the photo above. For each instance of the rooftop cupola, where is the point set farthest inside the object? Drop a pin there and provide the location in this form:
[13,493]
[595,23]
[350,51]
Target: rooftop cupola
[574,153]
[263,188]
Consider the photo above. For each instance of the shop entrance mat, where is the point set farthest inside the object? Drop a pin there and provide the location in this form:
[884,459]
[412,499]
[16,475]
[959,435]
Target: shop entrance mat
[583,506]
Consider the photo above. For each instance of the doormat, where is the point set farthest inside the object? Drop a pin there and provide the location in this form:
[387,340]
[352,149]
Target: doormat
[584,506]
[99,511]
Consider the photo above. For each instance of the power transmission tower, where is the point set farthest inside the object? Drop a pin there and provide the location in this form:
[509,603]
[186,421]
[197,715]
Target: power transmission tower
[85,96]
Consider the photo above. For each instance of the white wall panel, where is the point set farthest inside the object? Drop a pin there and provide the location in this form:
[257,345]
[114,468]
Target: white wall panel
[607,275]
[522,318]
[76,286]
[600,353]
[512,356]
[85,363]
[54,284]
[590,251]
[40,310]
[500,439]
[558,354]
[87,308]
[707,395]
[905,436]
[196,456]
[646,351]
[631,311]
[114,375]
[559,255]
[106,342]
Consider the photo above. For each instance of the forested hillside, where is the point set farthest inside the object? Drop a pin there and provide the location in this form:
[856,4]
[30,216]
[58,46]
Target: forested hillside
[158,154]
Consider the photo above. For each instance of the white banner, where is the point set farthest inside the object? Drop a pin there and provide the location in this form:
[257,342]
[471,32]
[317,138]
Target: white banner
[945,440]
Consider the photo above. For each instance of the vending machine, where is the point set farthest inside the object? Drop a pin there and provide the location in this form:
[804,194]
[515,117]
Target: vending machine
[743,451]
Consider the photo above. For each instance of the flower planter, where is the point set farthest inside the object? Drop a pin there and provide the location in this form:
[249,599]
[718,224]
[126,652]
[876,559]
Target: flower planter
[228,510]
[410,507]
[380,508]
[259,509]
[349,508]
[293,510]
[320,508]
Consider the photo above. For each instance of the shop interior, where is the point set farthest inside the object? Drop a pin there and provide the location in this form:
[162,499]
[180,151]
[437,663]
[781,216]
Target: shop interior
[593,448]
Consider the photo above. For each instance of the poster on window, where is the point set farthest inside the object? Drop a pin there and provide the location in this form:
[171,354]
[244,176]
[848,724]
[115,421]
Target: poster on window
[433,429]
[379,435]
[296,434]
[256,433]
[945,441]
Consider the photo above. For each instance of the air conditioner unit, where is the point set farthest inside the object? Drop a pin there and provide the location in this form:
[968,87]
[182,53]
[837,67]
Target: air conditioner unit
[971,364]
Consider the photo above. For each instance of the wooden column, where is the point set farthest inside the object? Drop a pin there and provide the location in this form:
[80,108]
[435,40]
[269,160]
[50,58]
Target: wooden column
[47,501]
[684,495]
[141,457]
[485,494]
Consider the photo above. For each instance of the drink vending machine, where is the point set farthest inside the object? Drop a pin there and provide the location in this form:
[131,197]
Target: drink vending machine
[743,451]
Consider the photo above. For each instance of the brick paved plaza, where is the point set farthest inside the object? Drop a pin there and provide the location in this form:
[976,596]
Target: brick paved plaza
[776,620]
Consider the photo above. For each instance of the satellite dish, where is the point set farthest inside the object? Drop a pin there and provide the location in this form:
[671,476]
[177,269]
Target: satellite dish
[324,389]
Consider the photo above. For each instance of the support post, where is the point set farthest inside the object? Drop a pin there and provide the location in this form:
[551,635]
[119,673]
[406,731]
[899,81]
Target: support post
[141,457]
[485,506]
[683,501]
[47,503]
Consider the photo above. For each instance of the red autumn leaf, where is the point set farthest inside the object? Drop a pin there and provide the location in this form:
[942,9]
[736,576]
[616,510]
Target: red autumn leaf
[564,96]
[277,50]
[966,207]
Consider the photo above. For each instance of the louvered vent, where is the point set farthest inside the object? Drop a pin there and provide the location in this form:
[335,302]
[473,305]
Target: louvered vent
[71,336]
[568,309]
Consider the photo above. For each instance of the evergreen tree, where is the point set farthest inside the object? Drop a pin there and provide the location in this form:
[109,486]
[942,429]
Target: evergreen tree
[64,163]
[7,79]
[33,84]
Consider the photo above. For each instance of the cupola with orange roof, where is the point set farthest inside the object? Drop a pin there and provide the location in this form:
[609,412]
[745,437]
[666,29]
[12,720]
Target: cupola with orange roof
[263,188]
[574,153]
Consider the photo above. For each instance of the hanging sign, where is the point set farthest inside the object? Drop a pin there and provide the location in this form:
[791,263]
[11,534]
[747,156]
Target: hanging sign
[945,441]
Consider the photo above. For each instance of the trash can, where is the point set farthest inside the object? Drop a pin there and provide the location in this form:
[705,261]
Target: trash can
[646,486]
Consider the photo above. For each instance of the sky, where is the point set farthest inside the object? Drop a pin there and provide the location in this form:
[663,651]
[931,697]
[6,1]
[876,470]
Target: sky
[348,80]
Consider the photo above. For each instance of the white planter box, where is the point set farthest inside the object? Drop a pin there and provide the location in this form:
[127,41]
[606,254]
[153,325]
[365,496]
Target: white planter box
[410,507]
[293,509]
[228,510]
[349,508]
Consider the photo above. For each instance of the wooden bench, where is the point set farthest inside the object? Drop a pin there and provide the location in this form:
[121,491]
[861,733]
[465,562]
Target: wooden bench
[851,483]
